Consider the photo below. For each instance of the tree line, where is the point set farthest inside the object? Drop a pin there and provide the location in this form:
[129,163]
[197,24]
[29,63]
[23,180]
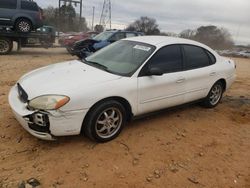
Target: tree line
[213,36]
[66,19]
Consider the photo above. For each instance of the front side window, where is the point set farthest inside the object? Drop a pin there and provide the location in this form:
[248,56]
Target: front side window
[121,58]
[196,57]
[168,59]
[10,4]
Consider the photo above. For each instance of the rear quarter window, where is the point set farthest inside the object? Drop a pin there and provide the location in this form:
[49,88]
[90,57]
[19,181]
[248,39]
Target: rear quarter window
[9,4]
[27,5]
[196,57]
[211,57]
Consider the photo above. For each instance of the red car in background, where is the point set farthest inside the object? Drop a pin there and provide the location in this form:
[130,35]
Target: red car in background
[68,40]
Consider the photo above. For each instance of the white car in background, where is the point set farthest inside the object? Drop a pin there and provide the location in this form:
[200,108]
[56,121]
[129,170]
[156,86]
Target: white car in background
[245,54]
[129,78]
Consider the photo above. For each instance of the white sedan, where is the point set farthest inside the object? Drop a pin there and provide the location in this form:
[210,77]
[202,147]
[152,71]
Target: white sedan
[129,78]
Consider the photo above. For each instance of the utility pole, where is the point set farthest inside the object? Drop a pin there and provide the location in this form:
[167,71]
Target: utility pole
[93,18]
[106,14]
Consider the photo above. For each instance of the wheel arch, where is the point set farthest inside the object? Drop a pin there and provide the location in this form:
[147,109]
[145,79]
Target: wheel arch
[24,17]
[121,100]
[224,83]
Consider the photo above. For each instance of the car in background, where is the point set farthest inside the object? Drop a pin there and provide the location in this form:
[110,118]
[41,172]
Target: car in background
[22,15]
[47,41]
[98,95]
[245,54]
[70,39]
[84,48]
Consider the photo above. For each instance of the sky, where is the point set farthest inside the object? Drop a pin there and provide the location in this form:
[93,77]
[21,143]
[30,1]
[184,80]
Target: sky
[175,15]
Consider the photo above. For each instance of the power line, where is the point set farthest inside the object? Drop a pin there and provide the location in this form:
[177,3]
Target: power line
[105,19]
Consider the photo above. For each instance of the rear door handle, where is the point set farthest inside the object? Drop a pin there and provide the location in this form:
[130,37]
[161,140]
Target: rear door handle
[180,80]
[212,74]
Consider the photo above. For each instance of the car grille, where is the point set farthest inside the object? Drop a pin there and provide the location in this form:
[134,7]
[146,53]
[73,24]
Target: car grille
[22,94]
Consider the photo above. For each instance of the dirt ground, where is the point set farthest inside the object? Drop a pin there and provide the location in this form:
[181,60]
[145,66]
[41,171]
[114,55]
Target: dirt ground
[187,147]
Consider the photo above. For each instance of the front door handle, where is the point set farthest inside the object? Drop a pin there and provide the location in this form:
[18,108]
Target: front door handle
[180,80]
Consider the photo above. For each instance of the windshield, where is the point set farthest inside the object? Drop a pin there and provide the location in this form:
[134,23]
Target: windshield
[121,58]
[103,36]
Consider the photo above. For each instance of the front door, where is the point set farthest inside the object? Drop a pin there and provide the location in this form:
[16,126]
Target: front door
[158,92]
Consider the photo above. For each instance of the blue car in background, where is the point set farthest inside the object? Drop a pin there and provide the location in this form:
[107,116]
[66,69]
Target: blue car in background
[84,48]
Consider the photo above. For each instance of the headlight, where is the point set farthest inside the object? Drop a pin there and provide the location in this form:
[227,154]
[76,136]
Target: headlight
[70,37]
[49,102]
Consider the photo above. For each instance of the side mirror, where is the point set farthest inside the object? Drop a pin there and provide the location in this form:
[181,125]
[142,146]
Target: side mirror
[154,71]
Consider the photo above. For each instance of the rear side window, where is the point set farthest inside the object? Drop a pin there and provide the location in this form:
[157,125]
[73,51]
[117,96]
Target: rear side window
[168,59]
[196,57]
[10,4]
[27,5]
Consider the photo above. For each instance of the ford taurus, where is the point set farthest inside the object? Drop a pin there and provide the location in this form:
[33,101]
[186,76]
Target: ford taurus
[129,78]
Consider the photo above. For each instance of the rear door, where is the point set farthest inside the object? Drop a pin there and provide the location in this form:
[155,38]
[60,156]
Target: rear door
[7,11]
[200,72]
[158,92]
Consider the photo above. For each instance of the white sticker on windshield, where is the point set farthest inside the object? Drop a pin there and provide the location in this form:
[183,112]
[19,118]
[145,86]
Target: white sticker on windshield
[140,47]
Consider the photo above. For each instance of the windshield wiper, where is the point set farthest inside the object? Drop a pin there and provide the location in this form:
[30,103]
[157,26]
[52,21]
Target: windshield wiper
[98,65]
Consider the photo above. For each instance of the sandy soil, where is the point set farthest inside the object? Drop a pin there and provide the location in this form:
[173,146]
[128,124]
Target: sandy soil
[186,147]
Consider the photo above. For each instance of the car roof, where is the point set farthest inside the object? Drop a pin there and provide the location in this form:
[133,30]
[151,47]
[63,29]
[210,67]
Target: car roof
[160,41]
[121,31]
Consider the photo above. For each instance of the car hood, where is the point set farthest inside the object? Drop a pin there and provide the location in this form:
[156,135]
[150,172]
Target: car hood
[63,78]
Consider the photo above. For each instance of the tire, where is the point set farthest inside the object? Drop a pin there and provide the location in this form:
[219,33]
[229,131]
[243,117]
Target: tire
[23,25]
[214,96]
[6,46]
[105,121]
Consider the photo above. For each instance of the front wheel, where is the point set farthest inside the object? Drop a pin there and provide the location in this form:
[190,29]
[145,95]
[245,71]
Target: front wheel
[214,96]
[105,122]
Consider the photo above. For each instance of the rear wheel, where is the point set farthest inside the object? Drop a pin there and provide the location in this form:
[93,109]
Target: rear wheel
[105,121]
[23,25]
[214,96]
[6,45]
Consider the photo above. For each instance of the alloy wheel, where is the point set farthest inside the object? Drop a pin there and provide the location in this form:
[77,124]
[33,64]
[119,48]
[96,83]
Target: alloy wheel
[4,46]
[215,95]
[24,26]
[108,123]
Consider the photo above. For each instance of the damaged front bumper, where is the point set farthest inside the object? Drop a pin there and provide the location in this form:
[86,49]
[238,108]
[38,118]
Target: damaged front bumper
[45,125]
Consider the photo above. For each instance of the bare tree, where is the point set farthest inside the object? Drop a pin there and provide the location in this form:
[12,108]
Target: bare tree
[187,34]
[99,28]
[68,20]
[169,34]
[146,25]
[218,38]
